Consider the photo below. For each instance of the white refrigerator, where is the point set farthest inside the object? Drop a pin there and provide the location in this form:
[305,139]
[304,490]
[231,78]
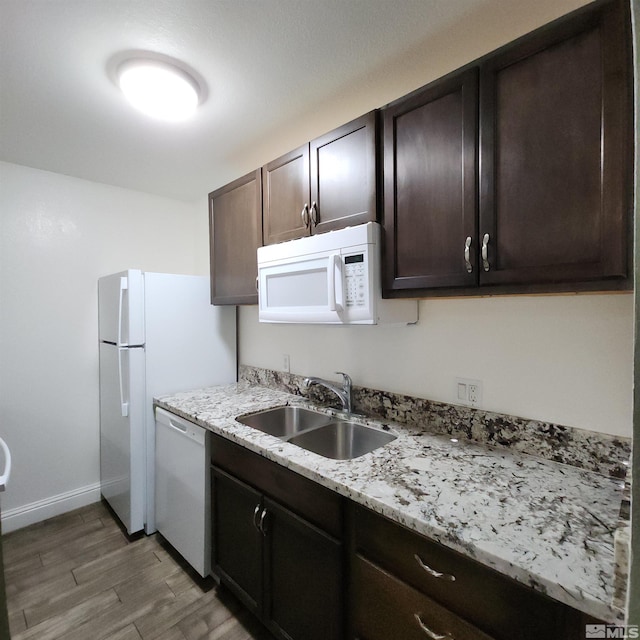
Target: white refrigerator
[158,334]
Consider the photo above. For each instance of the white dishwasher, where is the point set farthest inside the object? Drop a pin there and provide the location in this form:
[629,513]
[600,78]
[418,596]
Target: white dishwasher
[183,511]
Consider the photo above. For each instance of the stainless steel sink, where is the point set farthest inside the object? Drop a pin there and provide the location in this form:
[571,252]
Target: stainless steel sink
[323,434]
[342,440]
[284,422]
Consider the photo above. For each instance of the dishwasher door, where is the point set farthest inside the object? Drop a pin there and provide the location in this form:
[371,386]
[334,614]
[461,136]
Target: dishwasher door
[182,488]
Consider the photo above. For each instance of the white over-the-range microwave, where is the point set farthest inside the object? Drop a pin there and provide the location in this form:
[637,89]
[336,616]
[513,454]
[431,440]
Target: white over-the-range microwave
[330,278]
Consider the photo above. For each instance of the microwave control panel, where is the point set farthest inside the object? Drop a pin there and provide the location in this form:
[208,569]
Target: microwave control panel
[355,279]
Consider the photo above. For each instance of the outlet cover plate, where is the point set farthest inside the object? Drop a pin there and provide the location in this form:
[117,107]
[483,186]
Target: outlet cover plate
[467,392]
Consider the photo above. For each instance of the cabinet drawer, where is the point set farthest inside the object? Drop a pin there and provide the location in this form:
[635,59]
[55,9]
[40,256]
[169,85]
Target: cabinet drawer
[385,607]
[493,602]
[317,504]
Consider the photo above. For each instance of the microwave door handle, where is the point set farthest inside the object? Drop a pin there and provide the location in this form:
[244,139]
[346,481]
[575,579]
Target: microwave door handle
[335,260]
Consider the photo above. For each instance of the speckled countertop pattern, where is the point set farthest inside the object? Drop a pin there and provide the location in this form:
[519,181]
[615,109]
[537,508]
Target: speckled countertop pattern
[548,525]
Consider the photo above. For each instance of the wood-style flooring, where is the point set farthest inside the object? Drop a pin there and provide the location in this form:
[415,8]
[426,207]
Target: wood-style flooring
[78,577]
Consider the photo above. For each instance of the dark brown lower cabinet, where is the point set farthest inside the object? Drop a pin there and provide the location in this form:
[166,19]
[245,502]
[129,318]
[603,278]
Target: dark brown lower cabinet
[404,581]
[238,556]
[315,566]
[303,575]
[287,569]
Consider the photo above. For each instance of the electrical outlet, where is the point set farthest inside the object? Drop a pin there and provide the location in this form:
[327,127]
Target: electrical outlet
[285,363]
[467,392]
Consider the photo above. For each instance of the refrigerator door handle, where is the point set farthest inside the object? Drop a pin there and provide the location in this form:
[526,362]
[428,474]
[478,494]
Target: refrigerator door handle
[4,478]
[124,406]
[123,286]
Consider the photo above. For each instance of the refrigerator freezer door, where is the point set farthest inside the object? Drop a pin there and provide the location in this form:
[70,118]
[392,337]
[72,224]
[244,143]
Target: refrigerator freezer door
[121,308]
[122,443]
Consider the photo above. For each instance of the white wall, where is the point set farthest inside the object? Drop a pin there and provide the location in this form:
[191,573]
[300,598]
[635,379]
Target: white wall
[57,236]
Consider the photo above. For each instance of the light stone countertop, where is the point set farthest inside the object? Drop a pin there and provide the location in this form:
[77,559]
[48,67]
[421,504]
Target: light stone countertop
[547,525]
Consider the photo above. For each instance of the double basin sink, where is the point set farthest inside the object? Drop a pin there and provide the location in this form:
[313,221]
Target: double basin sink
[325,435]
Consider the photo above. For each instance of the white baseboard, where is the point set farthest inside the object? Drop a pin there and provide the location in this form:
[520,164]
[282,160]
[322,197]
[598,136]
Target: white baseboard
[19,517]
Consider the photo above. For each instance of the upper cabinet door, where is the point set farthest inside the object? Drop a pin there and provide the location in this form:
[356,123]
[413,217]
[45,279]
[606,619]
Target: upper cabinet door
[430,186]
[235,223]
[324,185]
[343,176]
[286,202]
[555,153]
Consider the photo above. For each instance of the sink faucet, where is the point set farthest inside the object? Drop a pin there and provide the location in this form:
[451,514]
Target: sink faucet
[343,393]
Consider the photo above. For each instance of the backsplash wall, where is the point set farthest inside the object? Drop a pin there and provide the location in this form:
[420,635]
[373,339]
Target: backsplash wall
[602,453]
[560,359]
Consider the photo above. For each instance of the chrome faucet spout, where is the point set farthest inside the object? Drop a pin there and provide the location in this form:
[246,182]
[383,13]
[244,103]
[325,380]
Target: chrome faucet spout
[344,392]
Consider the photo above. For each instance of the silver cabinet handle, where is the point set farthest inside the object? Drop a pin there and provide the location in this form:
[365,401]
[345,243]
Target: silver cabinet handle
[485,252]
[261,527]
[467,261]
[304,214]
[257,289]
[431,634]
[314,213]
[255,516]
[432,572]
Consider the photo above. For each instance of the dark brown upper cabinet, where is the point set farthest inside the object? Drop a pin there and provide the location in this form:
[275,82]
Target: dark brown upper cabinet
[235,233]
[430,185]
[324,185]
[556,153]
[522,181]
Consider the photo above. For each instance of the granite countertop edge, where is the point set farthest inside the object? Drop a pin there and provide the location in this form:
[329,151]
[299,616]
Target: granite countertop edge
[572,566]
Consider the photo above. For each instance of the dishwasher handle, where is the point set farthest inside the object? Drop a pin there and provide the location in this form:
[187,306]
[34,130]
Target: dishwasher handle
[179,425]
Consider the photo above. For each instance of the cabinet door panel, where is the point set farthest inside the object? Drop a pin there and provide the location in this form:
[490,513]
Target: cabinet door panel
[430,185]
[237,543]
[235,224]
[553,154]
[303,566]
[285,193]
[343,175]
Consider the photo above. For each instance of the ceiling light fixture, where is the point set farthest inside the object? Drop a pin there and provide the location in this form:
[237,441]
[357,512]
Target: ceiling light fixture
[159,89]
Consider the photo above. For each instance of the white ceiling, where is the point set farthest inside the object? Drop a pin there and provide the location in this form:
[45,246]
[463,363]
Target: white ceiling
[266,64]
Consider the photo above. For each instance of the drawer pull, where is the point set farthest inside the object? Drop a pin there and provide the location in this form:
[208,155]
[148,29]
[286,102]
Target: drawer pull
[432,572]
[431,634]
[255,516]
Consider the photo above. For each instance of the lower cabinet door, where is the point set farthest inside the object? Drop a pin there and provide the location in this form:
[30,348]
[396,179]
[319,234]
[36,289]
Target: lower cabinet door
[236,539]
[303,578]
[384,607]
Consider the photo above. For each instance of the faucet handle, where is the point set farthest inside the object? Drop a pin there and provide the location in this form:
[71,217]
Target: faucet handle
[346,379]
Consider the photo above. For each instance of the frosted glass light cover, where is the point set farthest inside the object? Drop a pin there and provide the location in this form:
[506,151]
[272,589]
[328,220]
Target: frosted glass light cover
[159,90]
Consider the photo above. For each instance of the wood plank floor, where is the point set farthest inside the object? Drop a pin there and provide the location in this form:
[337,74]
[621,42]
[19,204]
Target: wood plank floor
[78,577]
